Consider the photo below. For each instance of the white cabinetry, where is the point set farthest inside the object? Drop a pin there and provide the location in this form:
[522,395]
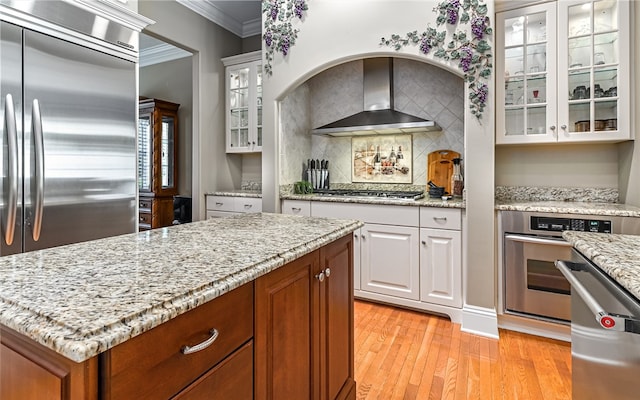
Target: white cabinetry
[224,206]
[566,69]
[244,102]
[296,207]
[404,255]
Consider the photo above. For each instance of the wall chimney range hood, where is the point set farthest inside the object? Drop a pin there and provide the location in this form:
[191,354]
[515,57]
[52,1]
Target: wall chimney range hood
[379,116]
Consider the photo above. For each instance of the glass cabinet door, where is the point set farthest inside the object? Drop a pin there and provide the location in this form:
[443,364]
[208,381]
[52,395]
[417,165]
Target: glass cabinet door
[167,150]
[528,95]
[259,105]
[596,57]
[145,152]
[239,107]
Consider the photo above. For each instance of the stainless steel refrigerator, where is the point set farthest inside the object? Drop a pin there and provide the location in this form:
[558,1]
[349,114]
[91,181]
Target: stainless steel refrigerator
[68,136]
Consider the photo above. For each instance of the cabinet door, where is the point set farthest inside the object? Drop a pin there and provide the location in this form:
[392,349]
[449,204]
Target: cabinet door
[285,337]
[594,88]
[389,260]
[357,246]
[441,267]
[244,107]
[527,47]
[336,320]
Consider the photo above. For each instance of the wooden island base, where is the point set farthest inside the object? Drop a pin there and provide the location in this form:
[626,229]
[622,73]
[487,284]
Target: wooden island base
[286,335]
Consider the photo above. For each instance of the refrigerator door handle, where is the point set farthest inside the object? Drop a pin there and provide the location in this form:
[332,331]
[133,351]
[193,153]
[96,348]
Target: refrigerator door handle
[11,131]
[38,143]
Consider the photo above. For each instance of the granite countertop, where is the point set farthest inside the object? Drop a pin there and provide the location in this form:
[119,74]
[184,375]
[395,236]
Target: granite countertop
[570,207]
[424,202]
[617,255]
[82,299]
[237,193]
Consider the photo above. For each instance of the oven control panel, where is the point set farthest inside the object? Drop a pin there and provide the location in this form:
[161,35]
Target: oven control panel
[552,224]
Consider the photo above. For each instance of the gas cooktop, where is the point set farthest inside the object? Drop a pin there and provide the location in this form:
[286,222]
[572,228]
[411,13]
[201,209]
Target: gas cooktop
[390,194]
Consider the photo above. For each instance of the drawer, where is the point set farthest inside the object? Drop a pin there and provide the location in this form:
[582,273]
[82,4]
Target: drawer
[145,204]
[157,353]
[220,203]
[296,207]
[220,214]
[248,204]
[232,379]
[368,213]
[440,218]
[144,218]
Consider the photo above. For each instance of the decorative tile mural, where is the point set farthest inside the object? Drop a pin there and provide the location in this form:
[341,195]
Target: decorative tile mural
[384,159]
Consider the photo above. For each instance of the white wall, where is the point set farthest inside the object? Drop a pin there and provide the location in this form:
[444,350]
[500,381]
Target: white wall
[335,31]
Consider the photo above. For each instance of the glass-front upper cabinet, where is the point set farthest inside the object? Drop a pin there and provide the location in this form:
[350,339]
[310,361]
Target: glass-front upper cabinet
[244,103]
[528,46]
[563,64]
[594,57]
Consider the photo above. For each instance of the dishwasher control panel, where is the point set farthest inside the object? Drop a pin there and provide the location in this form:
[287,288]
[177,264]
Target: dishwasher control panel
[554,224]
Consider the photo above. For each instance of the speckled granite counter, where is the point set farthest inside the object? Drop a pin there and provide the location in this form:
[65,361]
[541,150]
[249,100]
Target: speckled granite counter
[617,255]
[85,298]
[237,193]
[424,202]
[570,207]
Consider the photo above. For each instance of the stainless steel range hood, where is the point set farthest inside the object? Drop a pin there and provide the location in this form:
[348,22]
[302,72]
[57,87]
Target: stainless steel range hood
[378,116]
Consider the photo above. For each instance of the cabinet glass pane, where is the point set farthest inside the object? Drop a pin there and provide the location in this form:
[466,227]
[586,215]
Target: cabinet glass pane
[259,136]
[244,118]
[167,148]
[605,15]
[579,117]
[145,148]
[244,137]
[536,89]
[580,19]
[514,121]
[514,91]
[605,82]
[606,115]
[605,48]
[536,58]
[580,52]
[514,31]
[537,27]
[536,120]
[513,63]
[579,84]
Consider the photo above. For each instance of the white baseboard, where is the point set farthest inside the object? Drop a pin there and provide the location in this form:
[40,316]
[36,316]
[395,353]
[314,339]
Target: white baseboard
[480,321]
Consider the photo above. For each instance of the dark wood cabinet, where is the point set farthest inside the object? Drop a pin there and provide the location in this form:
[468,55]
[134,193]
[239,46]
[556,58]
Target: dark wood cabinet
[157,162]
[304,327]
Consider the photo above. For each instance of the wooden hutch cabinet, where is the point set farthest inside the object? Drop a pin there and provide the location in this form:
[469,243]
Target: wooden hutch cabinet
[157,162]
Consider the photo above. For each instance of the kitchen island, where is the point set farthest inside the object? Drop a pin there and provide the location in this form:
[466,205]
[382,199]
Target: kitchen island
[84,318]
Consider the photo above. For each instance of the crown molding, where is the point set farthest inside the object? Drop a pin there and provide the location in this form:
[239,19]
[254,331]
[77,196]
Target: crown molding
[161,53]
[214,14]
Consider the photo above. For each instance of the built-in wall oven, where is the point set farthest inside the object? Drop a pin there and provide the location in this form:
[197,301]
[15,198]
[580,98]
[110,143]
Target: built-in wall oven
[533,286]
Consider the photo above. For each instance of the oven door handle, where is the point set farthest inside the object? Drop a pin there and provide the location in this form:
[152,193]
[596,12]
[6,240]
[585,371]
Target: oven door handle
[538,240]
[609,321]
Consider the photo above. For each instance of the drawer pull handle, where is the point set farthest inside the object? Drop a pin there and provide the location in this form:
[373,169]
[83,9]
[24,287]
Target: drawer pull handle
[218,204]
[440,218]
[201,346]
[296,209]
[248,206]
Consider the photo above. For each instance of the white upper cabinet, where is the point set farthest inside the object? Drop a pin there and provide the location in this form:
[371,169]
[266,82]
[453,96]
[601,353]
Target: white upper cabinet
[566,72]
[244,102]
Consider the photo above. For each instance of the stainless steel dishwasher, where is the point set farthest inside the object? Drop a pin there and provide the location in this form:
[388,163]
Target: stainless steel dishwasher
[605,333]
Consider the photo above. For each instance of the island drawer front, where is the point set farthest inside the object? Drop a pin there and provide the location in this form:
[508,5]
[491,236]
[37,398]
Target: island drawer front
[220,203]
[232,379]
[440,218]
[157,354]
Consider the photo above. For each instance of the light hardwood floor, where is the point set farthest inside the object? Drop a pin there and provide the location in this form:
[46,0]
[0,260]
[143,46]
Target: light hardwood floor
[401,354]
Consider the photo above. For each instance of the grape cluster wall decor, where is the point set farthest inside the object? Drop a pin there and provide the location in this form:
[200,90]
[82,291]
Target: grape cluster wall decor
[472,52]
[279,34]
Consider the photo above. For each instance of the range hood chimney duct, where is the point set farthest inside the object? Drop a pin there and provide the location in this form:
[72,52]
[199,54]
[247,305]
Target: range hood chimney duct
[378,116]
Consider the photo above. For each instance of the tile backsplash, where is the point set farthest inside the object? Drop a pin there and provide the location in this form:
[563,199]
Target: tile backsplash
[420,89]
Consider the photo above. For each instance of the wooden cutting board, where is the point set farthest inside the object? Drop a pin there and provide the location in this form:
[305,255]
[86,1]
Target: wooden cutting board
[440,167]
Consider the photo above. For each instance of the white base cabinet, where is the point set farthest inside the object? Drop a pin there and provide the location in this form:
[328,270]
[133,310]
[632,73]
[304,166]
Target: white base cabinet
[389,260]
[441,267]
[224,206]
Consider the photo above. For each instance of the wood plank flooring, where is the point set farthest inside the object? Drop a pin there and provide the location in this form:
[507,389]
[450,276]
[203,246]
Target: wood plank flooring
[401,354]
